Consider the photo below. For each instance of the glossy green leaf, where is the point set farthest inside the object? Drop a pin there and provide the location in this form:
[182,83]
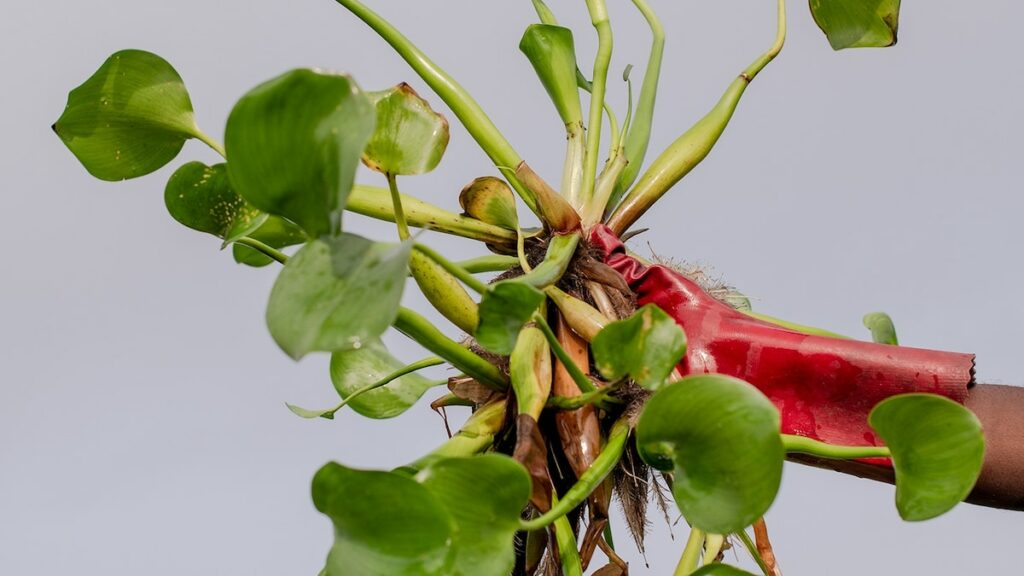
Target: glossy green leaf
[128,119]
[857,23]
[720,438]
[882,329]
[552,53]
[720,570]
[338,294]
[937,450]
[504,309]
[200,197]
[275,232]
[410,138]
[294,145]
[385,524]
[484,496]
[354,369]
[490,200]
[647,346]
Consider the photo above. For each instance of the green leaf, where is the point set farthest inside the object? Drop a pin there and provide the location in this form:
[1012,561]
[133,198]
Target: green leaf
[354,369]
[385,524]
[484,496]
[275,232]
[294,145]
[337,294]
[200,197]
[490,200]
[410,138]
[647,346]
[128,119]
[937,450]
[857,23]
[720,570]
[307,413]
[504,309]
[882,329]
[551,51]
[720,437]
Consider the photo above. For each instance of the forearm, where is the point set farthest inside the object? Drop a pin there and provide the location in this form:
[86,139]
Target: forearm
[1001,484]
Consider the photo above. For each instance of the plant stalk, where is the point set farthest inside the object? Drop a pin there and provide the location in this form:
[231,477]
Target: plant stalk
[599,18]
[418,328]
[268,251]
[803,445]
[691,553]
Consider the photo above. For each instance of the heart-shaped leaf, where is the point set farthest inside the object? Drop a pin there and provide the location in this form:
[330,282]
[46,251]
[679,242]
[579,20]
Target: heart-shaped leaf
[646,346]
[353,369]
[128,119]
[720,437]
[882,329]
[410,138]
[491,200]
[275,232]
[294,145]
[504,309]
[484,496]
[385,524]
[200,197]
[552,53]
[937,450]
[857,23]
[720,570]
[337,294]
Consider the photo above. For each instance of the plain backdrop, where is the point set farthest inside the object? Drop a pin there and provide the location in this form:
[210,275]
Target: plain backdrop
[142,420]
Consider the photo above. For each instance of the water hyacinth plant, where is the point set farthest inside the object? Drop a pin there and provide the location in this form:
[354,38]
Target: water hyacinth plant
[590,374]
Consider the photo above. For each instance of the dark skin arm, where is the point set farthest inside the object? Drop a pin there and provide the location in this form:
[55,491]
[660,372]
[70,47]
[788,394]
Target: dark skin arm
[1001,484]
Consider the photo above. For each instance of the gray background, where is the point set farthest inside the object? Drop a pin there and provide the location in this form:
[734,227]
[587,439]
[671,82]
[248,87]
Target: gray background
[142,419]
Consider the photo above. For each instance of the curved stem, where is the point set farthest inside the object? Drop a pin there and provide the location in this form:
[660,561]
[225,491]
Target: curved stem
[694,145]
[262,248]
[544,13]
[597,396]
[639,136]
[452,268]
[213,144]
[752,550]
[566,542]
[599,18]
[556,262]
[415,366]
[376,203]
[691,553]
[475,436]
[802,445]
[588,481]
[427,335]
[472,116]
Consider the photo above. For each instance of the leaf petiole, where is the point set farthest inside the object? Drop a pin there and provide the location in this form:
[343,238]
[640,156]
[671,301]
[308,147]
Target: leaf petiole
[803,445]
[268,251]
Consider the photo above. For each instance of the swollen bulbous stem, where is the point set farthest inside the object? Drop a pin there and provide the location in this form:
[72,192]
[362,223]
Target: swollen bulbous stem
[444,292]
[474,437]
[583,318]
[556,261]
[530,372]
[694,145]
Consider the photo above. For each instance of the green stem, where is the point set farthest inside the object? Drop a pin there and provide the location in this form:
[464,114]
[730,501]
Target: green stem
[691,553]
[415,366]
[475,436]
[396,202]
[694,145]
[752,550]
[472,116]
[588,481]
[493,263]
[578,376]
[803,329]
[427,335]
[556,261]
[544,13]
[452,268]
[263,249]
[376,203]
[802,445]
[566,542]
[596,396]
[639,135]
[213,144]
[713,544]
[599,18]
